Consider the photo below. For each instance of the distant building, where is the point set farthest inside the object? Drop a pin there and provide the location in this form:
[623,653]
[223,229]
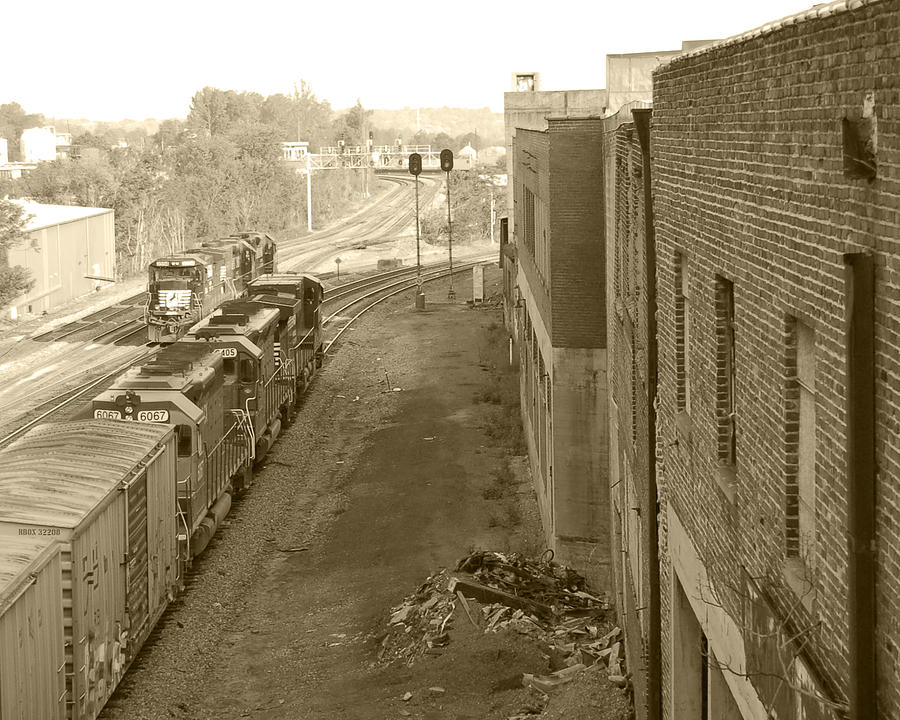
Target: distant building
[71,250]
[629,76]
[4,151]
[15,170]
[38,144]
[42,144]
[491,155]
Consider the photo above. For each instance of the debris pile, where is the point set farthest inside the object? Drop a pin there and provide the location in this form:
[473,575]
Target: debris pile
[419,624]
[507,591]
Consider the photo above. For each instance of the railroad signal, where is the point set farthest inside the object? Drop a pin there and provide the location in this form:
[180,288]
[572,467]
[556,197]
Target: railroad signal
[415,164]
[447,166]
[446,160]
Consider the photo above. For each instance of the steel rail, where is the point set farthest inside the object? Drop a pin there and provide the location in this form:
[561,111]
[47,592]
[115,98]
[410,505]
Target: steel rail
[75,392]
[406,285]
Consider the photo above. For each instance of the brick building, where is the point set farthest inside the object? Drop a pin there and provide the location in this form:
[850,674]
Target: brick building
[561,325]
[631,427]
[776,211]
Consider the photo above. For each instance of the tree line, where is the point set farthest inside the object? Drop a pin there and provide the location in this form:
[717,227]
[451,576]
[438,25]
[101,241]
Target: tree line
[215,172]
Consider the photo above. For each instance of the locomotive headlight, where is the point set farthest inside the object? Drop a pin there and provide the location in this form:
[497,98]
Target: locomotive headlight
[129,410]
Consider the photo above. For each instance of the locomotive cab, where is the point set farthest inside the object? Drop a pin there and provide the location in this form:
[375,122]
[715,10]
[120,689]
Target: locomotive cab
[174,286]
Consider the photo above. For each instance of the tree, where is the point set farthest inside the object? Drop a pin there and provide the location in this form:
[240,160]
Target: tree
[13,120]
[13,280]
[170,134]
[209,112]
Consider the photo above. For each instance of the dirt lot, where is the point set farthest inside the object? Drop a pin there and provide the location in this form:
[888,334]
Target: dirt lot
[405,456]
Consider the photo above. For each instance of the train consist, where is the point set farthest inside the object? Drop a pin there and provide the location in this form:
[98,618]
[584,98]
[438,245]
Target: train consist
[184,288]
[100,517]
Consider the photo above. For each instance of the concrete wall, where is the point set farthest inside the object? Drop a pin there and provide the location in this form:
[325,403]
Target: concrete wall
[751,185]
[629,76]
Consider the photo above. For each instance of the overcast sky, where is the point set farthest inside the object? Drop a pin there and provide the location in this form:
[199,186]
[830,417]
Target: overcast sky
[108,60]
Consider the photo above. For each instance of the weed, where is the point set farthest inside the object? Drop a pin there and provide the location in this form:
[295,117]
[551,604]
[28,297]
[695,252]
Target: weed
[489,396]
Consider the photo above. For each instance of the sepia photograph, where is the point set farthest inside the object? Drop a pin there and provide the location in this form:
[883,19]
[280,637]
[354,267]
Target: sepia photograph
[450,362]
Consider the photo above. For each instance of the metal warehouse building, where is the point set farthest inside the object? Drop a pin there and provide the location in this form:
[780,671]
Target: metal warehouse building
[69,252]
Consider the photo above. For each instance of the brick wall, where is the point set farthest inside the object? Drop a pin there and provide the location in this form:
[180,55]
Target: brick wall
[577,248]
[627,331]
[750,185]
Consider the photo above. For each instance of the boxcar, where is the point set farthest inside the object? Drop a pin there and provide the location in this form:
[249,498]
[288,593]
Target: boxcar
[106,491]
[32,650]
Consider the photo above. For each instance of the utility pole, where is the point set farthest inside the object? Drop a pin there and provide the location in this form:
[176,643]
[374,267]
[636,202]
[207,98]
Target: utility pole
[447,166]
[308,191]
[493,216]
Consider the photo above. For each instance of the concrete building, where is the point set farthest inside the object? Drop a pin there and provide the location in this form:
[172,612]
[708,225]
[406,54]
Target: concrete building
[629,76]
[70,251]
[555,155]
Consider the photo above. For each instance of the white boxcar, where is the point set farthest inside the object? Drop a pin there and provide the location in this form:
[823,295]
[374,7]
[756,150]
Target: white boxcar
[105,490]
[32,648]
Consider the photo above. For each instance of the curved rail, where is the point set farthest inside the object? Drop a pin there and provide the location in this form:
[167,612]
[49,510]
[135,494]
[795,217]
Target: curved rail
[76,393]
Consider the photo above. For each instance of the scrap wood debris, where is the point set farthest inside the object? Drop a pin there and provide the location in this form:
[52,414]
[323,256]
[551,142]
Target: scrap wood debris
[507,591]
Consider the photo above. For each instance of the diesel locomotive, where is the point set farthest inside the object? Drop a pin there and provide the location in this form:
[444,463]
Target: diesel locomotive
[185,288]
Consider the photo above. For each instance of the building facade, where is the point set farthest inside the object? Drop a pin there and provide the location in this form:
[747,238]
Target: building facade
[561,325]
[70,251]
[775,179]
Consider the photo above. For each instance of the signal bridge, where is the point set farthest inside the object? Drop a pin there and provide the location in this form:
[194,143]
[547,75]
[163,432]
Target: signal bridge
[381,158]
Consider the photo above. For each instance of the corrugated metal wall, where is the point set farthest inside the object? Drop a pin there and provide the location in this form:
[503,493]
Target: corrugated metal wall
[59,258]
[32,679]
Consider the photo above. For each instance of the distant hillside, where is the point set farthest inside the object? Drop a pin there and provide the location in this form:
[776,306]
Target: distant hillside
[452,121]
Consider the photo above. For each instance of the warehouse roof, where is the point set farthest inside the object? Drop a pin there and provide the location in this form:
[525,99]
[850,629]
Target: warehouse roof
[47,215]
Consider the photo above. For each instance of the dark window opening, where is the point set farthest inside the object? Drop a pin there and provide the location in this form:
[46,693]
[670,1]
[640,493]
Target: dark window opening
[184,437]
[859,148]
[248,372]
[529,221]
[725,372]
[230,366]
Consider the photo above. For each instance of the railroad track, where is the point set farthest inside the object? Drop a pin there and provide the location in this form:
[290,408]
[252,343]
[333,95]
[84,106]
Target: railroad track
[376,288]
[383,223]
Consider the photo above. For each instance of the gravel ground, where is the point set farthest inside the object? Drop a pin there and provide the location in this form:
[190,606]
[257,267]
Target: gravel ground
[369,492]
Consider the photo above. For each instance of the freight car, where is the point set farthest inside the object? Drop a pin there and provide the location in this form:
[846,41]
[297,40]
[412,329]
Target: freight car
[105,491]
[184,288]
[32,645]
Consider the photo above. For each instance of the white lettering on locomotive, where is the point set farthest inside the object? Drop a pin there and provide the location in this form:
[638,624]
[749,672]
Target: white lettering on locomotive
[107,414]
[153,416]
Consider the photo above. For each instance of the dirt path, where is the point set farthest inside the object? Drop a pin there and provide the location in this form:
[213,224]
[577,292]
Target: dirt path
[368,493]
